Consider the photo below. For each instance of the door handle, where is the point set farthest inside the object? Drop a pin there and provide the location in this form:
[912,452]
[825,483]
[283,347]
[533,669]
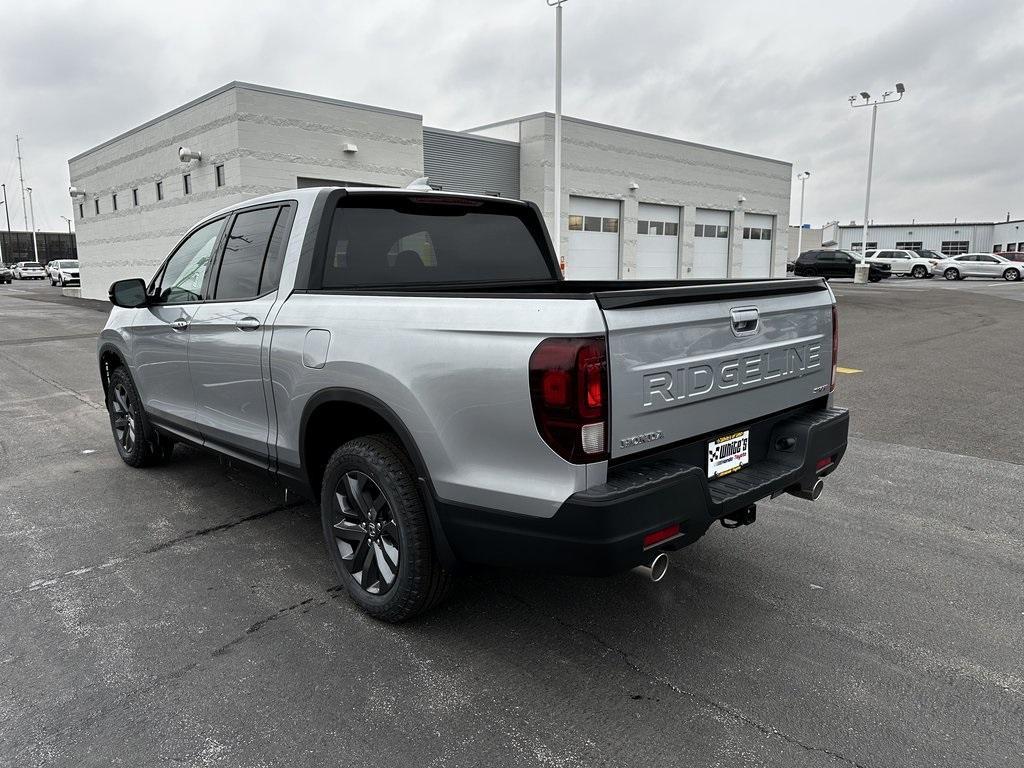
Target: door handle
[745,321]
[247,324]
[180,324]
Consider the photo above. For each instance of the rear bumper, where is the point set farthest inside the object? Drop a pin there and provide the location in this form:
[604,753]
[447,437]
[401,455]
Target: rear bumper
[601,531]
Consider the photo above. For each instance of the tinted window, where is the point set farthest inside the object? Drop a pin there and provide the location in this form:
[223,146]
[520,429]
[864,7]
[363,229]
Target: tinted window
[398,240]
[270,278]
[246,245]
[182,277]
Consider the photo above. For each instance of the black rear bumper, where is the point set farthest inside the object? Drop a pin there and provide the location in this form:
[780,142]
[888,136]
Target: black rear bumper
[601,531]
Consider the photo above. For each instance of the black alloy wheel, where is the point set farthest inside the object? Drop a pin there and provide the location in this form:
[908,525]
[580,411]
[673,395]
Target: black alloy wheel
[365,532]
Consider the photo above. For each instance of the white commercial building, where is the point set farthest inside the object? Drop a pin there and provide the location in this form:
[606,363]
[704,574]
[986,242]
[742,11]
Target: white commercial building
[635,205]
[949,238]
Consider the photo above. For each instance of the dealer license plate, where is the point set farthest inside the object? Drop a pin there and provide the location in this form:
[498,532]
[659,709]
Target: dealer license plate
[728,453]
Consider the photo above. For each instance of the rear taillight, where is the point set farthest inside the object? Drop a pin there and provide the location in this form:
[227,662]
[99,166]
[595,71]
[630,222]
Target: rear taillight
[569,390]
[835,346]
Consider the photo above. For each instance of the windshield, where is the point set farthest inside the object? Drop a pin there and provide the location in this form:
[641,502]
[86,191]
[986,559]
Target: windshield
[929,254]
[68,264]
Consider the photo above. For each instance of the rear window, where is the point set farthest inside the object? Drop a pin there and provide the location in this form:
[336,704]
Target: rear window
[396,240]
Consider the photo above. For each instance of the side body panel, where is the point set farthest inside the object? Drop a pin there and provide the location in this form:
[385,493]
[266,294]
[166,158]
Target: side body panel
[455,371]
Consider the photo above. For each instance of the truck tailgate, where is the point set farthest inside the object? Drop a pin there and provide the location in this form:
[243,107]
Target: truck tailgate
[697,359]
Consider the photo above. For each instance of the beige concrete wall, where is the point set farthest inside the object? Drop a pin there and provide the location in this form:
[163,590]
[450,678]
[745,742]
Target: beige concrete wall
[602,161]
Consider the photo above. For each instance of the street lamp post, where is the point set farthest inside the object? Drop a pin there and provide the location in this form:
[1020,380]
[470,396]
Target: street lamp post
[7,208]
[557,5]
[32,211]
[900,90]
[804,176]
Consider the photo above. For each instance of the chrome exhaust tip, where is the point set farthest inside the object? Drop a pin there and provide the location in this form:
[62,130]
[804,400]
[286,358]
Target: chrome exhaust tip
[656,569]
[811,493]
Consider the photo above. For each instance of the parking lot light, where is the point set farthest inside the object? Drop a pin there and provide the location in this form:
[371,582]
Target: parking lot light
[803,176]
[900,90]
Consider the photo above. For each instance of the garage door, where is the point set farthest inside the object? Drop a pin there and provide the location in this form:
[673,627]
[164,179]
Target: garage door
[657,246]
[593,239]
[758,232]
[711,243]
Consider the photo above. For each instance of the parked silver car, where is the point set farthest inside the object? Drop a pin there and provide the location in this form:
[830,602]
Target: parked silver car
[989,265]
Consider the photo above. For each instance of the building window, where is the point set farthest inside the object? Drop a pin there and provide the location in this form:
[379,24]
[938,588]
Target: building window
[656,228]
[671,228]
[997,248]
[1011,247]
[872,246]
[113,202]
[576,223]
[955,247]
[159,190]
[909,245]
[96,204]
[186,182]
[641,226]
[135,196]
[81,210]
[723,231]
[592,223]
[610,225]
[756,233]
[218,172]
[698,230]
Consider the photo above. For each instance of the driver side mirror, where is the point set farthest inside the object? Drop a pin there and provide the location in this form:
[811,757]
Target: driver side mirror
[129,294]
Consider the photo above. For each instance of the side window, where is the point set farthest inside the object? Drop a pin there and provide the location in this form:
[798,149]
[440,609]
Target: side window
[182,277]
[244,249]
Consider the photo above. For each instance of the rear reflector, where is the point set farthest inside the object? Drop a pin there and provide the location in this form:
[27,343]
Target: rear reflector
[658,536]
[823,463]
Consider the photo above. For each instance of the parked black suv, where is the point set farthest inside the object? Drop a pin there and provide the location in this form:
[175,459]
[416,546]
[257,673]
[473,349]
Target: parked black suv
[835,264]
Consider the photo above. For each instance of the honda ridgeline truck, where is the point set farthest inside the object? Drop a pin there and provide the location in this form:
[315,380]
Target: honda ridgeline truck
[415,362]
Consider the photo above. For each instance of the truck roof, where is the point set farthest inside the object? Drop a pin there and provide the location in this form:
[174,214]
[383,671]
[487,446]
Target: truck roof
[309,194]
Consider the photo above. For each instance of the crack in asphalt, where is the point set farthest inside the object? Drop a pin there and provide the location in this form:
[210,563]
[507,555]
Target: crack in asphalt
[37,340]
[44,583]
[718,706]
[75,393]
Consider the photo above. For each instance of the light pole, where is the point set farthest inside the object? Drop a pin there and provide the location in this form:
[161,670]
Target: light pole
[68,221]
[7,208]
[804,176]
[557,5]
[900,90]
[32,210]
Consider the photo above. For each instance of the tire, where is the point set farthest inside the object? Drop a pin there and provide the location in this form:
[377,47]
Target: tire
[874,278]
[919,272]
[375,525]
[128,423]
[1011,275]
[952,273]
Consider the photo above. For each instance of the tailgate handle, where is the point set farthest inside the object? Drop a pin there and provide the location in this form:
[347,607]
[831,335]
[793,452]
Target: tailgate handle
[745,321]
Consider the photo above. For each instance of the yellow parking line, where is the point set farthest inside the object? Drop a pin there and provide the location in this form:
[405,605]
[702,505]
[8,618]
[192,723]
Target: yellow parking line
[840,369]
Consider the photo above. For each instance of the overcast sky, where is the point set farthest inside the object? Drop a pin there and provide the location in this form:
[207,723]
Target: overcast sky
[770,78]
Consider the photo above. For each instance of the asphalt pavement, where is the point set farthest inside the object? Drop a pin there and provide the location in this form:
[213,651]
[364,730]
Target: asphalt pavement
[187,615]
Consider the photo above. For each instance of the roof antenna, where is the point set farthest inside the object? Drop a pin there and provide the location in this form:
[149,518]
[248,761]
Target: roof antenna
[422,184]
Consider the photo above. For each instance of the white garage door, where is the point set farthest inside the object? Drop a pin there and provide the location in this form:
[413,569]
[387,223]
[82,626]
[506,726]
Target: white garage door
[593,239]
[758,233]
[657,247]
[711,244]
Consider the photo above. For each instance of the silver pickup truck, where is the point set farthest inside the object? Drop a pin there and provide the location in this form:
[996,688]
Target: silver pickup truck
[415,362]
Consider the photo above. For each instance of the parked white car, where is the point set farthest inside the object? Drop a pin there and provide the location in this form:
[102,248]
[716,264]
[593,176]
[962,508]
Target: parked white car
[903,262]
[989,265]
[29,270]
[63,272]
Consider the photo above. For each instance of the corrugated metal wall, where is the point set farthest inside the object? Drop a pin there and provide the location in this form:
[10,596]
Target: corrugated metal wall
[458,162]
[979,236]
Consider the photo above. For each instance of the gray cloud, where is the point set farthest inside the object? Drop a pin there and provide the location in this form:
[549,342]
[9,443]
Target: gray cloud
[767,78]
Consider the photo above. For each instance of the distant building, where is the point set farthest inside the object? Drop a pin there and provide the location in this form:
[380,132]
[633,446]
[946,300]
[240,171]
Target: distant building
[16,246]
[634,205]
[949,238]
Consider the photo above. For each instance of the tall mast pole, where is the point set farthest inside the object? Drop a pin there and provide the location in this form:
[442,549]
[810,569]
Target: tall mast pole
[21,178]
